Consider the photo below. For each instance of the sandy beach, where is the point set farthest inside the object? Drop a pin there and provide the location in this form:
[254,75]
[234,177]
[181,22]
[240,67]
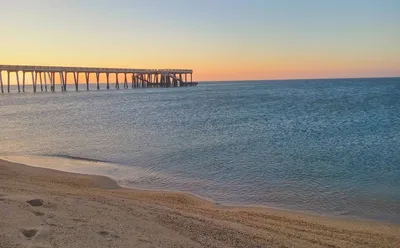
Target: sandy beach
[47,208]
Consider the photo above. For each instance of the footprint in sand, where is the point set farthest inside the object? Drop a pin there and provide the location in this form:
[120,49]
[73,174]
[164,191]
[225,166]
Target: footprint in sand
[35,202]
[36,237]
[108,236]
[29,233]
[2,197]
[38,213]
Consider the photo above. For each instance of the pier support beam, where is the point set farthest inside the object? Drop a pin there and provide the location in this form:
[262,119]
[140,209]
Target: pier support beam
[169,83]
[156,79]
[45,81]
[48,75]
[18,85]
[53,80]
[8,81]
[108,80]
[23,81]
[41,82]
[116,81]
[50,80]
[146,78]
[65,81]
[61,76]
[125,82]
[98,80]
[62,80]
[162,80]
[34,80]
[175,81]
[87,75]
[76,79]
[1,82]
[135,76]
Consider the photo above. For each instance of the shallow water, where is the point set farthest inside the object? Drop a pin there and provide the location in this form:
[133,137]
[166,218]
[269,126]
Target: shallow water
[325,146]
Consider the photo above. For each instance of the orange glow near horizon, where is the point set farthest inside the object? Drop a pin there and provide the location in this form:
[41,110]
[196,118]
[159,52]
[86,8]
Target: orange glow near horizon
[271,72]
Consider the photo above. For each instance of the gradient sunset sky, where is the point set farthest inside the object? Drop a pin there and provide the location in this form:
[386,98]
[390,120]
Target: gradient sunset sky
[218,39]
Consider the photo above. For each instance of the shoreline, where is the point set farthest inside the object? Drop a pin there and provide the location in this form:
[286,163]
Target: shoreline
[62,160]
[73,201]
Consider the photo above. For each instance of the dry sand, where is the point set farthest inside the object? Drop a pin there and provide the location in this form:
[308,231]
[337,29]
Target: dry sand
[47,208]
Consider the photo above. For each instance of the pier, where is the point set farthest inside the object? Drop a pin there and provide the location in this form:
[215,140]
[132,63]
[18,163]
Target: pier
[45,78]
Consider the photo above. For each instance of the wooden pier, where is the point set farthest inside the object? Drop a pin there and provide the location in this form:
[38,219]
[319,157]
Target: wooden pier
[45,78]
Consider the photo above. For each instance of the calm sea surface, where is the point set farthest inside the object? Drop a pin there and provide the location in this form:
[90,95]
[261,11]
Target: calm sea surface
[324,146]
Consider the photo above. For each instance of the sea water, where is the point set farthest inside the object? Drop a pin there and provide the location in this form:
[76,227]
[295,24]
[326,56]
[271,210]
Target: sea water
[324,146]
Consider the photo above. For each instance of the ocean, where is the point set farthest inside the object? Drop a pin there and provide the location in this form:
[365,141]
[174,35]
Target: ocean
[330,147]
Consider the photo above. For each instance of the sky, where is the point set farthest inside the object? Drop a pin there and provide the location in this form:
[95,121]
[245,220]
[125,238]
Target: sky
[218,39]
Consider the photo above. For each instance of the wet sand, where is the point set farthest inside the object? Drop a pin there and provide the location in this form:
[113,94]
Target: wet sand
[48,208]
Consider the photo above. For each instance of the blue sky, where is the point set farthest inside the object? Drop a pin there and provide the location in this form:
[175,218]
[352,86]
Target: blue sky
[219,39]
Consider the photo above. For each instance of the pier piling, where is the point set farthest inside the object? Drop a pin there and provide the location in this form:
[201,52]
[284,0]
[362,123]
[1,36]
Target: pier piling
[98,80]
[17,75]
[87,75]
[108,80]
[45,81]
[8,81]
[23,81]
[116,81]
[125,82]
[41,83]
[1,82]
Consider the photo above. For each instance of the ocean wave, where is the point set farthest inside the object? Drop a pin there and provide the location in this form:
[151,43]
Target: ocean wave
[75,158]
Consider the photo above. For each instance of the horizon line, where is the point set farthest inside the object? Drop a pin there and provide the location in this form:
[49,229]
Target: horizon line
[288,79]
